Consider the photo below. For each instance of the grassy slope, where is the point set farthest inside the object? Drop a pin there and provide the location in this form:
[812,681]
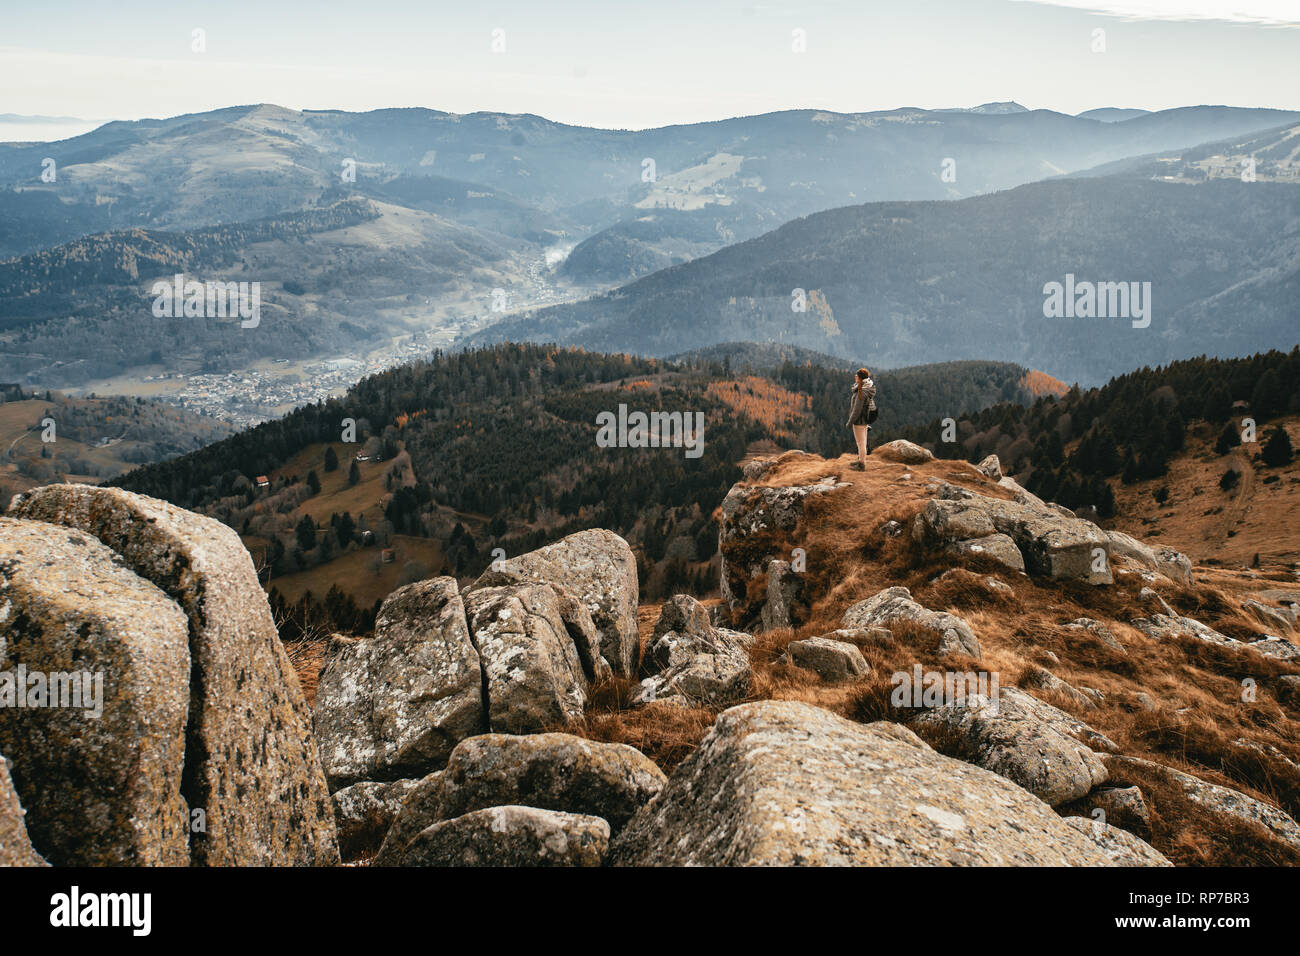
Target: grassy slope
[1209,524]
[1197,687]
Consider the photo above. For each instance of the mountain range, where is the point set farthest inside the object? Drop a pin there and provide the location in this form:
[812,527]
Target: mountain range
[902,283]
[904,228]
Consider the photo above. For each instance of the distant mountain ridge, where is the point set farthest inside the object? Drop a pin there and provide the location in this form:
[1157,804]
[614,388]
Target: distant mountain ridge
[1111,114]
[898,284]
[491,214]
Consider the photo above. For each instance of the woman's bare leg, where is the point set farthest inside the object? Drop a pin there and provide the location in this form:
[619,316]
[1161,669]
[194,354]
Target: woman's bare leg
[860,436]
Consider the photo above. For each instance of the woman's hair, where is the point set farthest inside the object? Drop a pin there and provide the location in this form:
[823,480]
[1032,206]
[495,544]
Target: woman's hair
[863,375]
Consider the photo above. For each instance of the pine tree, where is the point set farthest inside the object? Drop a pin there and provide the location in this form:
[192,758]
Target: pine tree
[1267,399]
[313,482]
[331,459]
[1105,501]
[1055,449]
[1218,404]
[1229,439]
[1277,450]
[354,473]
[1131,470]
[305,533]
[345,529]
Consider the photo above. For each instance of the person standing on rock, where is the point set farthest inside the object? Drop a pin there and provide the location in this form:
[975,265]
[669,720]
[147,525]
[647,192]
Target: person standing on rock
[862,412]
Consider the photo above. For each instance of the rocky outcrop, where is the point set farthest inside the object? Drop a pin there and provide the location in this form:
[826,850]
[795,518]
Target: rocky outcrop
[1163,627]
[782,783]
[99,756]
[1043,679]
[990,468]
[1283,618]
[598,567]
[904,451]
[689,661]
[1123,807]
[1277,647]
[364,812]
[532,673]
[782,607]
[998,548]
[419,810]
[896,604]
[757,526]
[1051,543]
[512,836]
[251,764]
[831,660]
[395,704]
[1219,800]
[549,771]
[15,846]
[1098,630]
[1174,565]
[1029,742]
[1121,847]
[1020,495]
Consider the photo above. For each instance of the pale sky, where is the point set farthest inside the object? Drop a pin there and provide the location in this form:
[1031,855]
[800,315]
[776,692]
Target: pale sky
[613,63]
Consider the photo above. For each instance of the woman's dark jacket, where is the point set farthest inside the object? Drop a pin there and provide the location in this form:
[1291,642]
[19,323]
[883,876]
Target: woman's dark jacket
[863,403]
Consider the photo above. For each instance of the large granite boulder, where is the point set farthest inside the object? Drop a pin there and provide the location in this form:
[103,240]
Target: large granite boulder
[99,756]
[783,606]
[1121,847]
[364,812]
[904,451]
[251,762]
[998,548]
[419,809]
[757,526]
[1031,743]
[552,771]
[598,567]
[1053,543]
[512,836]
[1020,495]
[1273,646]
[1283,618]
[1219,800]
[1174,565]
[532,673]
[782,783]
[15,846]
[1123,807]
[991,468]
[549,771]
[1164,627]
[690,661]
[896,604]
[833,661]
[394,705]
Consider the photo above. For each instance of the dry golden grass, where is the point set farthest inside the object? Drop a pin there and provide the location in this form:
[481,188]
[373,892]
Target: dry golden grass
[307,655]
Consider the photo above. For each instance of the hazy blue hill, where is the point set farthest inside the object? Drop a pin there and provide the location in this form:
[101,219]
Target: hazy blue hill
[1111,114]
[908,283]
